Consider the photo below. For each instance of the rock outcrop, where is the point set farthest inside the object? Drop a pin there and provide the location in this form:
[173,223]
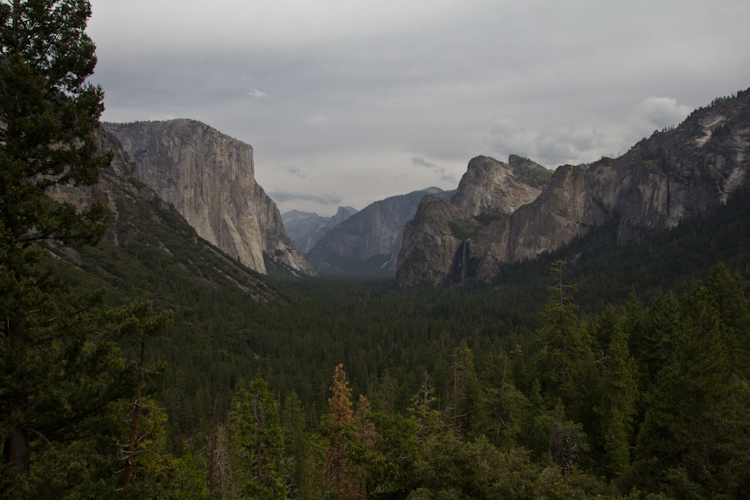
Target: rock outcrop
[673,175]
[490,186]
[367,243]
[305,229]
[209,178]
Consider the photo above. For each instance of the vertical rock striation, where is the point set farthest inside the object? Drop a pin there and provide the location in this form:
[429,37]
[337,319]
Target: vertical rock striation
[209,178]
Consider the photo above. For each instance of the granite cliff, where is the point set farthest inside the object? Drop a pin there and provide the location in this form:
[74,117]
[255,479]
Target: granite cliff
[367,243]
[142,225]
[305,229]
[491,186]
[209,178]
[673,175]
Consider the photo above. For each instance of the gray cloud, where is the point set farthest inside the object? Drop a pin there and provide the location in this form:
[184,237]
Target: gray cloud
[353,91]
[297,172]
[440,171]
[421,162]
[329,199]
[660,112]
[317,121]
[549,145]
[256,93]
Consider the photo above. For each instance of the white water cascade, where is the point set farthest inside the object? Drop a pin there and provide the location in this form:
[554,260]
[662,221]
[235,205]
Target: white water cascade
[465,256]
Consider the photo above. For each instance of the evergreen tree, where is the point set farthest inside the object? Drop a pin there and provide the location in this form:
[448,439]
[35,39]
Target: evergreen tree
[423,411]
[562,339]
[261,442]
[298,448]
[734,317]
[659,333]
[618,404]
[48,114]
[339,468]
[681,427]
[465,393]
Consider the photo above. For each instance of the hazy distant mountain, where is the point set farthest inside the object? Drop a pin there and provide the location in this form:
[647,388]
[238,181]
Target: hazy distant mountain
[367,243]
[305,228]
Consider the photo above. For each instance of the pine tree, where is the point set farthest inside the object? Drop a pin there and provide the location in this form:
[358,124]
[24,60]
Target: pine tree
[298,448]
[339,469]
[562,337]
[734,317]
[464,394]
[691,397]
[618,404]
[261,440]
[659,333]
[57,358]
[423,411]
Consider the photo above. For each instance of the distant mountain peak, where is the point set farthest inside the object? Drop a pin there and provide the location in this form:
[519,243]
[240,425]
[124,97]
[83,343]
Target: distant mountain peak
[305,228]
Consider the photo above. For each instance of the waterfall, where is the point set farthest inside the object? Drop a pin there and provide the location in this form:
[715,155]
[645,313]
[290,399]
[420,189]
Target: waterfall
[465,255]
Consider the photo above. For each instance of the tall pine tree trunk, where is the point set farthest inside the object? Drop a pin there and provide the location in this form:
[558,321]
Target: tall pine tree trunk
[136,414]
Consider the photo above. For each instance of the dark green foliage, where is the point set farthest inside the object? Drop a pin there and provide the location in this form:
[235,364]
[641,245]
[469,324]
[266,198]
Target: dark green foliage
[260,452]
[63,377]
[57,354]
[463,229]
[618,403]
[532,174]
[734,317]
[299,448]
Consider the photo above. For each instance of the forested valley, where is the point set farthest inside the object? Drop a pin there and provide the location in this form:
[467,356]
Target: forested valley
[139,361]
[596,370]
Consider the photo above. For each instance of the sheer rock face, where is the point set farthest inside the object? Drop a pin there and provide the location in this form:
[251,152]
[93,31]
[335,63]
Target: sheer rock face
[124,195]
[662,180]
[431,245]
[209,178]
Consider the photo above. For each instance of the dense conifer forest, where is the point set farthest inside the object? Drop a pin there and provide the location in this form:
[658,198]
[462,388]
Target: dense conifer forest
[145,369]
[628,377]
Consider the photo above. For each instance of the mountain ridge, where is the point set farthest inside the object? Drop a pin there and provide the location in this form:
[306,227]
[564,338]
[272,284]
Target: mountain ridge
[305,228]
[367,243]
[671,176]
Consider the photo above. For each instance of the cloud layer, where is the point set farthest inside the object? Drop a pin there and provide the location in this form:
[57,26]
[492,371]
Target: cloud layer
[375,98]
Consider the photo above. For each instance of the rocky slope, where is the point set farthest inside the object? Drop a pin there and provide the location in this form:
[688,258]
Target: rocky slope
[662,180]
[367,243]
[305,229]
[209,178]
[144,228]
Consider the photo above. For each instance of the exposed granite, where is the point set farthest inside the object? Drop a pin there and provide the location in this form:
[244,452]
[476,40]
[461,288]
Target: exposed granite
[209,178]
[662,180]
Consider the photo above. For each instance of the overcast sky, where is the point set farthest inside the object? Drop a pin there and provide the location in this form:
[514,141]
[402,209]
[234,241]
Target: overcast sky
[346,102]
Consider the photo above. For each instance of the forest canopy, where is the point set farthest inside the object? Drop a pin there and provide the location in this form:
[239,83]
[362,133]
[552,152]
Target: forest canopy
[595,371]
